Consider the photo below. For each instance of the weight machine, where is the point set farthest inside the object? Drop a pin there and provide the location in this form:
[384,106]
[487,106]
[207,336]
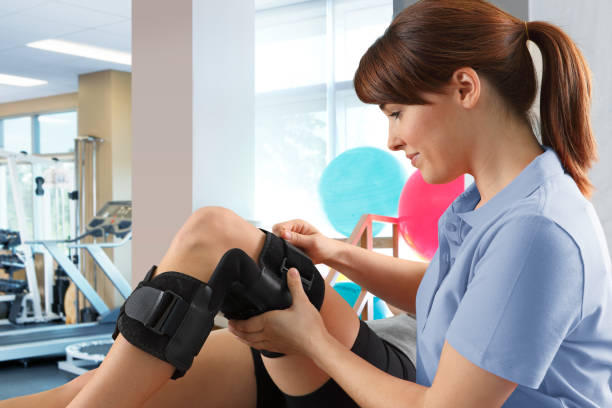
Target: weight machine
[29,307]
[114,219]
[37,331]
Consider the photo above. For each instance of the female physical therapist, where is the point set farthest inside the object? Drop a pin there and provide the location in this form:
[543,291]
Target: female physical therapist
[515,308]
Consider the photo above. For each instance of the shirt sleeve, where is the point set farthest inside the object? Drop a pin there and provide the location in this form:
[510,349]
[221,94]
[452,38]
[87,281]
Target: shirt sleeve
[525,297]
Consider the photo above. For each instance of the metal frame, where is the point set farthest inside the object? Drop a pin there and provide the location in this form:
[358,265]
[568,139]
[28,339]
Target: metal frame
[100,258]
[46,347]
[33,295]
[362,236]
[76,360]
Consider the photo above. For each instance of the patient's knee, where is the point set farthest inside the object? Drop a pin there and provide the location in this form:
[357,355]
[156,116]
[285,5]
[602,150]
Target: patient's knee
[207,225]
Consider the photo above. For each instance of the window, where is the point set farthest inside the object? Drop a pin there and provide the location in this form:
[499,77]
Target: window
[51,135]
[57,132]
[17,134]
[306,109]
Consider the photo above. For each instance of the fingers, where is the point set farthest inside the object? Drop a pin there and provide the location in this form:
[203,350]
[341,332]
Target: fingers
[295,284]
[250,332]
[256,337]
[252,325]
[286,225]
[296,225]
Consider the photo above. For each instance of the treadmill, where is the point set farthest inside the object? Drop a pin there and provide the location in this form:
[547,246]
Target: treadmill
[23,341]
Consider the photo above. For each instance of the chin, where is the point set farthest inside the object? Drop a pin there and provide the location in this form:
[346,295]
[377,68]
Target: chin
[428,178]
[437,178]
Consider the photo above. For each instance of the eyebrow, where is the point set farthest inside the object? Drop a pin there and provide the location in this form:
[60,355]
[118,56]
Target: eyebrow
[382,106]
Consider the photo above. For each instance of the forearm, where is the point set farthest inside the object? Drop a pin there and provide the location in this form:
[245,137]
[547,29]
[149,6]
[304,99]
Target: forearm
[393,279]
[367,385]
[127,377]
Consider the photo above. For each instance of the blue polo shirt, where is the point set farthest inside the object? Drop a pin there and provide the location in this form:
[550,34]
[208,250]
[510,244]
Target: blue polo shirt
[522,287]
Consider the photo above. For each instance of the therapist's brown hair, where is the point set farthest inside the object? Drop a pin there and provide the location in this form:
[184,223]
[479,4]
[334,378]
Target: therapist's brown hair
[431,39]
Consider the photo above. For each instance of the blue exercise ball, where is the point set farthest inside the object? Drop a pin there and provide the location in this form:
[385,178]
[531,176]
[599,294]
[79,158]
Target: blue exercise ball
[350,292]
[363,180]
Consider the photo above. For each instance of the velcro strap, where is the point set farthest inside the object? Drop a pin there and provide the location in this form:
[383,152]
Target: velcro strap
[169,317]
[190,336]
[158,310]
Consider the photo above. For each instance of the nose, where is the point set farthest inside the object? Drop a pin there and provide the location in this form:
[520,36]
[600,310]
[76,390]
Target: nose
[394,143]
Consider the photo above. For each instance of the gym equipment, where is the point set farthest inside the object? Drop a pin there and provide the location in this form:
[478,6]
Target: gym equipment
[363,180]
[82,357]
[12,262]
[27,307]
[171,315]
[52,337]
[420,206]
[85,152]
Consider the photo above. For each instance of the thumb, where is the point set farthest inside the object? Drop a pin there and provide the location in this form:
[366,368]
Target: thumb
[294,282]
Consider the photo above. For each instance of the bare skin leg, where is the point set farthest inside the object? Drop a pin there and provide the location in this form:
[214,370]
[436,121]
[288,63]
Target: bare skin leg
[130,377]
[221,375]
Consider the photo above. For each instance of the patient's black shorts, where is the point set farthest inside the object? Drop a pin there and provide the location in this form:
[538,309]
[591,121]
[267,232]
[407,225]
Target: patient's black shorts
[367,345]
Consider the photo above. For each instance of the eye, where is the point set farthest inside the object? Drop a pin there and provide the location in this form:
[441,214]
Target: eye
[395,115]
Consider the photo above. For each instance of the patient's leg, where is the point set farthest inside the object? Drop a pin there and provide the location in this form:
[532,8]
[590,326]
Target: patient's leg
[129,376]
[222,375]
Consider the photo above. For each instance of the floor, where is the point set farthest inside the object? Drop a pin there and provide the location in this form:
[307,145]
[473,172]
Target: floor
[21,378]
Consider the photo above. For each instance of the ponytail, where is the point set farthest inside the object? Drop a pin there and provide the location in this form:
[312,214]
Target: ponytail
[429,40]
[565,102]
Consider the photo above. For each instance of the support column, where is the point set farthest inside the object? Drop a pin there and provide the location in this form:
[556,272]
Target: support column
[193,93]
[104,101]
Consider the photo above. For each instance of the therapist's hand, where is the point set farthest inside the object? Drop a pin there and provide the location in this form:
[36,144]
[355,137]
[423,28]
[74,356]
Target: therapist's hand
[301,234]
[296,330]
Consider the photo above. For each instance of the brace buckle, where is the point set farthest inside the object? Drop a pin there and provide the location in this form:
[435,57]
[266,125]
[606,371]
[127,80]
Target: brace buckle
[306,282]
[167,313]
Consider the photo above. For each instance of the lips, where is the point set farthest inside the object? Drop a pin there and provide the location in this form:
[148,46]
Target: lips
[411,156]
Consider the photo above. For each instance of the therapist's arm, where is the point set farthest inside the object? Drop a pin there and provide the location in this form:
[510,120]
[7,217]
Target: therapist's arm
[394,280]
[458,382]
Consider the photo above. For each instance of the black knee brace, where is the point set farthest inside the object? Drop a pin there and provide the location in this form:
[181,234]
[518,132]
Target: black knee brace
[171,315]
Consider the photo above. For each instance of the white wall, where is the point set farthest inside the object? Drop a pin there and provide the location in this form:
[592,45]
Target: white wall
[223,105]
[587,23]
[193,109]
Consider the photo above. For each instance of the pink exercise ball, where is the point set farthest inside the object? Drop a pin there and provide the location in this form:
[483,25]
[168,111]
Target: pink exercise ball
[420,206]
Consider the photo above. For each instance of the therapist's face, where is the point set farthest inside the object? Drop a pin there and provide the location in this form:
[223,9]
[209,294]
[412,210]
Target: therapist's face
[434,132]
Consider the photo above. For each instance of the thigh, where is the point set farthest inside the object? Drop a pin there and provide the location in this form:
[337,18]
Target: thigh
[222,375]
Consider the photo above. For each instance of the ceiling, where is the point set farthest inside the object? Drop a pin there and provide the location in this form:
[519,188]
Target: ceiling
[102,23]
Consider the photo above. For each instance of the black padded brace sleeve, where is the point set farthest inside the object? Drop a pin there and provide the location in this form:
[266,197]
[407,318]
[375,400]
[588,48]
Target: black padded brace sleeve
[279,255]
[169,317]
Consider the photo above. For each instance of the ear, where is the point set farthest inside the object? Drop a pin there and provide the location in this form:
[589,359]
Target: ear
[466,86]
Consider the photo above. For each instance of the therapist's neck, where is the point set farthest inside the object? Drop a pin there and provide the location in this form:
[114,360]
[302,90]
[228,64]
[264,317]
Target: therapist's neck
[502,151]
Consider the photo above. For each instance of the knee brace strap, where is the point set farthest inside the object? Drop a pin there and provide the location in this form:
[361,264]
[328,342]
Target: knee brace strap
[169,317]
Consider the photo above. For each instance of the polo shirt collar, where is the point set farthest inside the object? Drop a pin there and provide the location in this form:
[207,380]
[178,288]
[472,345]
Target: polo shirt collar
[535,174]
